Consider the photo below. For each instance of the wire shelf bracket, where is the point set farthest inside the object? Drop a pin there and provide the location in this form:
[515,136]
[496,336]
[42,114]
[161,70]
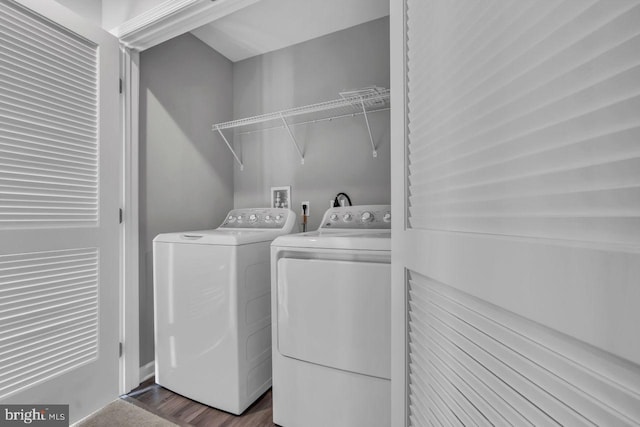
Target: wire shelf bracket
[230,147]
[363,101]
[366,119]
[293,139]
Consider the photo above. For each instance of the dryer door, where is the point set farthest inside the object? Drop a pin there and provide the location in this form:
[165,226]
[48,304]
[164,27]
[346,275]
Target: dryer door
[335,313]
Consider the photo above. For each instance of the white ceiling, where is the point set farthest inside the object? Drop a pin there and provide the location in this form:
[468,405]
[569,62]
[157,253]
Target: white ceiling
[274,24]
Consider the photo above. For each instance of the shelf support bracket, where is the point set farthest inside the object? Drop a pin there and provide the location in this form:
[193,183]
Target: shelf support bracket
[230,147]
[293,139]
[366,119]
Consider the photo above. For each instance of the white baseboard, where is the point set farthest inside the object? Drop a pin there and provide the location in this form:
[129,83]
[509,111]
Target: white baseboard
[147,371]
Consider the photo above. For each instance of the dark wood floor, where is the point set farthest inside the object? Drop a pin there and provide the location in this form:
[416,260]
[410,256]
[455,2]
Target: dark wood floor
[185,412]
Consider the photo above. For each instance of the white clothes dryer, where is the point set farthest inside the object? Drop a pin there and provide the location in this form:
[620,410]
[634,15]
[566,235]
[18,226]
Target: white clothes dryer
[331,321]
[212,308]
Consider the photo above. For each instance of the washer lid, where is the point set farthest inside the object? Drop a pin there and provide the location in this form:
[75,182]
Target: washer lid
[240,227]
[220,237]
[368,240]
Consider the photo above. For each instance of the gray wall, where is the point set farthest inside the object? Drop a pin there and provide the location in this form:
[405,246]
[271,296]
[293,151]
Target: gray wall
[337,154]
[186,173]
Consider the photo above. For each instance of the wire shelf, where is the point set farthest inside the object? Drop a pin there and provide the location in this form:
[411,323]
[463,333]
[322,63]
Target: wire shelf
[350,104]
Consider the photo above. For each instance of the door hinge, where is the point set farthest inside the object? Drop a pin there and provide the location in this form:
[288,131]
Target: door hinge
[120,349]
[120,85]
[120,216]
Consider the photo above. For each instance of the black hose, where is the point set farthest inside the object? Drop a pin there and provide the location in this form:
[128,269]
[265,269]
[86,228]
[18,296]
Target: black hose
[336,202]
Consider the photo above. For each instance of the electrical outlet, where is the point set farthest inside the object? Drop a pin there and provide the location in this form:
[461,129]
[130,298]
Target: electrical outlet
[308,207]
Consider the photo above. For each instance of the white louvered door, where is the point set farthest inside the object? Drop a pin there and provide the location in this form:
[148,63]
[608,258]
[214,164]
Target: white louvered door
[516,234]
[59,183]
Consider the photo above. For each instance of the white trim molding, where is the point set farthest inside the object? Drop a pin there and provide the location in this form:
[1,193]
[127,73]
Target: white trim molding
[130,327]
[399,352]
[147,371]
[172,18]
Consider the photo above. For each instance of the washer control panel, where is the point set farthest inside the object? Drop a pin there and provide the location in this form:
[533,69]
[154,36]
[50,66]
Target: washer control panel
[358,217]
[268,218]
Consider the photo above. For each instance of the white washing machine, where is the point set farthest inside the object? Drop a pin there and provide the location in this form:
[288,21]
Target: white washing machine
[331,321]
[212,308]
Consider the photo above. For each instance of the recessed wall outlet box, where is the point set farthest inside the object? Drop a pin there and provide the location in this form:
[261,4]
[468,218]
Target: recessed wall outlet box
[308,207]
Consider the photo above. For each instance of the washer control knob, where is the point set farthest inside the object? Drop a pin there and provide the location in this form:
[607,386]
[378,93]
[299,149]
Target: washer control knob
[347,217]
[239,219]
[253,218]
[267,218]
[231,218]
[334,217]
[387,217]
[278,218]
[366,217]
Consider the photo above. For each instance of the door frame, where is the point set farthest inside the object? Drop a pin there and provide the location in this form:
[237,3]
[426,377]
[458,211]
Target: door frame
[397,14]
[129,278]
[136,35]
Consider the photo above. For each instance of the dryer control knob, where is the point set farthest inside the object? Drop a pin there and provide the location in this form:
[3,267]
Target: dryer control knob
[387,217]
[347,217]
[231,218]
[267,218]
[334,217]
[366,217]
[253,218]
[278,218]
